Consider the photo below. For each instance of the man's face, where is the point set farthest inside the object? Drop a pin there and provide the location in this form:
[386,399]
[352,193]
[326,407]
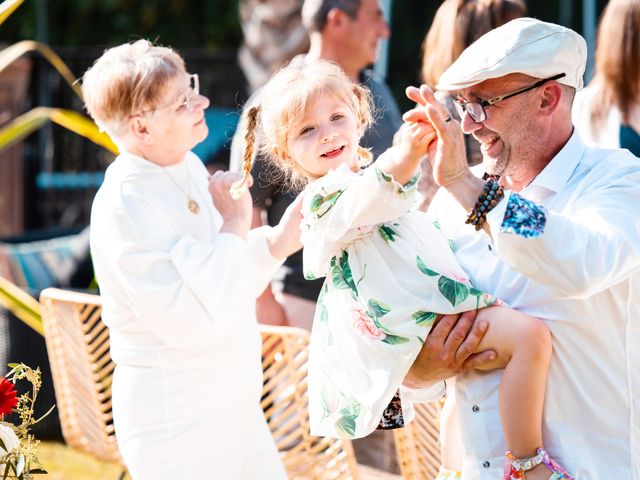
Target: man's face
[507,137]
[364,33]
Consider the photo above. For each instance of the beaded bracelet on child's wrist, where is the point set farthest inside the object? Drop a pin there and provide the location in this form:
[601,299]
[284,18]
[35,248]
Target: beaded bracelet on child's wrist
[491,194]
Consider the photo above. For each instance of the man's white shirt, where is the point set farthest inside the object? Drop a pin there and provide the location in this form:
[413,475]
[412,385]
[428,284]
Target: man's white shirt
[582,277]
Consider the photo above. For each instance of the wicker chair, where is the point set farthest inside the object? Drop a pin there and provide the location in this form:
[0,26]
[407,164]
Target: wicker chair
[285,402]
[78,347]
[417,443]
[81,367]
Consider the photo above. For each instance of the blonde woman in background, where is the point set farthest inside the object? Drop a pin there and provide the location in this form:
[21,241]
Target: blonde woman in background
[607,112]
[456,25]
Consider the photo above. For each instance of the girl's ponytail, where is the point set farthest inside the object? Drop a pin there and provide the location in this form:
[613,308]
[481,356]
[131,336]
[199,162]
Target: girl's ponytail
[251,122]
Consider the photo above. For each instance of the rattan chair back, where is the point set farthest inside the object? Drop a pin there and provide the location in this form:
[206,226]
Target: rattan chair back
[285,353]
[417,443]
[81,367]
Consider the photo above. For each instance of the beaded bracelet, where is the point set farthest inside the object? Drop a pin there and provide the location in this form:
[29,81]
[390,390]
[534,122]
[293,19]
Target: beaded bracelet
[491,194]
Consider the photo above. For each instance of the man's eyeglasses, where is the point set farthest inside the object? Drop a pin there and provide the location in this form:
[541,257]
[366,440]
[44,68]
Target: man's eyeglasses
[189,101]
[477,110]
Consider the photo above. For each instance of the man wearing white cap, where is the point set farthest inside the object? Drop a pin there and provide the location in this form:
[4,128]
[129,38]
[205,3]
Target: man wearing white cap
[563,244]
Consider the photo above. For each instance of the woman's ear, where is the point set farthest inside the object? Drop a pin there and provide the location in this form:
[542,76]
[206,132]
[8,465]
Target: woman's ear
[138,128]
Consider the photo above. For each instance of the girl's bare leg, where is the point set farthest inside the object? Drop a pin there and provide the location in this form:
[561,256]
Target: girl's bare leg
[523,345]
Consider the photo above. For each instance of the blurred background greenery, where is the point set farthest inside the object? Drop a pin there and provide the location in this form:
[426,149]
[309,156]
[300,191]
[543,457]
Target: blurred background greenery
[213,25]
[179,23]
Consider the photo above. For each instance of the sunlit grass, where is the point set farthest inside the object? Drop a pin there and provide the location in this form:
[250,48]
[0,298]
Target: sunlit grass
[65,463]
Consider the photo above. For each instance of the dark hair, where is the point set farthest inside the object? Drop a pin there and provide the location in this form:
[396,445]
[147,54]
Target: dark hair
[459,23]
[315,12]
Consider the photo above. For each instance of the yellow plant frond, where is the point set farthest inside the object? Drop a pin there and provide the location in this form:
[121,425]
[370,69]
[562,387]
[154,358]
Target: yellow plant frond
[83,126]
[15,51]
[7,8]
[27,123]
[21,304]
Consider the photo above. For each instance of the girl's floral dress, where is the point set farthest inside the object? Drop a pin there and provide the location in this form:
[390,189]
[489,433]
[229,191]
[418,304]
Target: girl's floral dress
[389,272]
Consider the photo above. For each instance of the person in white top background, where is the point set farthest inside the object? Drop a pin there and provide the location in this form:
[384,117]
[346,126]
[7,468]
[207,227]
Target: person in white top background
[563,245]
[179,273]
[607,112]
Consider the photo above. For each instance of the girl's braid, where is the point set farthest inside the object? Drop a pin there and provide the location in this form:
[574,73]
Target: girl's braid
[249,146]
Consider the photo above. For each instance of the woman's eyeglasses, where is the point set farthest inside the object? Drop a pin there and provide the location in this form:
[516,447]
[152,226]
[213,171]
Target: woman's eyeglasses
[189,103]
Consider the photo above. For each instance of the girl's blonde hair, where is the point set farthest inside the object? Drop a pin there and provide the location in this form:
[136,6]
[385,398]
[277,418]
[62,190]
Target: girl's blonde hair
[287,98]
[128,79]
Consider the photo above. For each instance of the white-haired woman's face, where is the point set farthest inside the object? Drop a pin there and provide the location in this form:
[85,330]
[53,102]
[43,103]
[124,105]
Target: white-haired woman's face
[177,123]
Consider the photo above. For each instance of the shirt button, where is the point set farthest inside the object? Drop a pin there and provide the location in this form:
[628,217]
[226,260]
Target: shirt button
[475,408]
[489,247]
[486,464]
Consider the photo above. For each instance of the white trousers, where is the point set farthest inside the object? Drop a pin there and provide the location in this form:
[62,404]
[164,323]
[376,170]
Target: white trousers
[176,425]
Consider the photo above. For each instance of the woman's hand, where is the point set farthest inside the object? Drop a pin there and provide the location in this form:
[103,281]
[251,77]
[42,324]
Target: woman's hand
[285,237]
[237,213]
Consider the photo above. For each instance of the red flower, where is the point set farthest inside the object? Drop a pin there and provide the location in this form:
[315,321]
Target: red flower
[8,397]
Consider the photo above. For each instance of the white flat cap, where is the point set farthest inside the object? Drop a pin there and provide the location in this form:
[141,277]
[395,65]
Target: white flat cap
[523,45]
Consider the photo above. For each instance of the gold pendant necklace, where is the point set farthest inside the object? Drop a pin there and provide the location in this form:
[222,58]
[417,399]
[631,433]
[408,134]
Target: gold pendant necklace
[192,205]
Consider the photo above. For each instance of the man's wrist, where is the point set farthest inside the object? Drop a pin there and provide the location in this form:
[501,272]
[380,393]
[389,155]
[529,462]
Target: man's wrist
[465,189]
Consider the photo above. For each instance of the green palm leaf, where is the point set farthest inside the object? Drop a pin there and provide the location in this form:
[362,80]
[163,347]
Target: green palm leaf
[27,123]
[7,8]
[15,51]
[21,304]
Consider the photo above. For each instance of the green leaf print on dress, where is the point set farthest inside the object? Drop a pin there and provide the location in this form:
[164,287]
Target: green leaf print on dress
[387,233]
[424,319]
[423,268]
[341,275]
[344,418]
[453,291]
[321,204]
[346,423]
[376,309]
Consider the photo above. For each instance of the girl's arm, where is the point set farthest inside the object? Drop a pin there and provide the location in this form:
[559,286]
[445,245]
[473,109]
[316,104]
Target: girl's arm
[404,158]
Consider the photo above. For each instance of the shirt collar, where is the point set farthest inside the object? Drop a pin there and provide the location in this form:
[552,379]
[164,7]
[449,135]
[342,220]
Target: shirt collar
[557,173]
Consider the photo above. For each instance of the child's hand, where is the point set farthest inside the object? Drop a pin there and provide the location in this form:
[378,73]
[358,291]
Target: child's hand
[415,138]
[285,238]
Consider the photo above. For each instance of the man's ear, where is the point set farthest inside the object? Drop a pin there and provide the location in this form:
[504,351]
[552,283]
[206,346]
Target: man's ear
[335,18]
[139,130]
[550,98]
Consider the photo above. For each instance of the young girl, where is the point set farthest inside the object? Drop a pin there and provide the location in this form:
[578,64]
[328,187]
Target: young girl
[389,270]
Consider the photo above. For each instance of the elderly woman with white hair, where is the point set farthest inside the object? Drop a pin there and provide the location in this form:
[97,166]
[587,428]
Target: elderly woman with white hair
[179,272]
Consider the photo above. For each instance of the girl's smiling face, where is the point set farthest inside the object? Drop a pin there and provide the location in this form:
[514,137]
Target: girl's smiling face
[327,136]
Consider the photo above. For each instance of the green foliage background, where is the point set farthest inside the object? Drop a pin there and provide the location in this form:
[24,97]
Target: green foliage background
[214,24]
[179,23]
